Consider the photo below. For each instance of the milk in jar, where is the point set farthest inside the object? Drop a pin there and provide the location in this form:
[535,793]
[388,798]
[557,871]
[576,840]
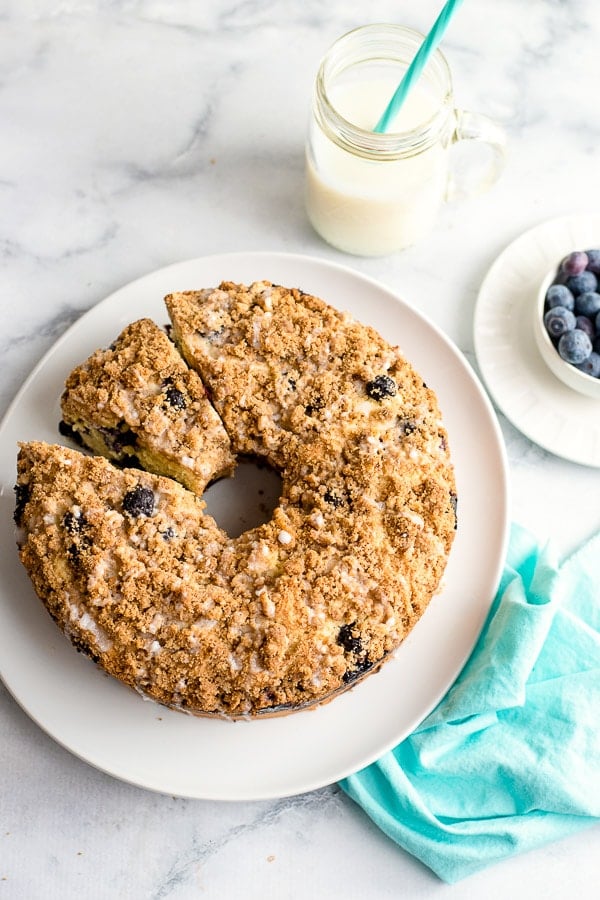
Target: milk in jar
[374,203]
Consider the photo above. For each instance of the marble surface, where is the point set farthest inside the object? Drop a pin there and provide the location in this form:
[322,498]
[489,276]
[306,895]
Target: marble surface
[137,133]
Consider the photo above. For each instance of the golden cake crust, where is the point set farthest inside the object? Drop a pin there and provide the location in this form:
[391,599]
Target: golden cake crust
[137,400]
[300,607]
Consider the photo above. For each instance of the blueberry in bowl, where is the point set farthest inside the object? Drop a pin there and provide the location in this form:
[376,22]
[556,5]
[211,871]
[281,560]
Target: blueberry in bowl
[567,321]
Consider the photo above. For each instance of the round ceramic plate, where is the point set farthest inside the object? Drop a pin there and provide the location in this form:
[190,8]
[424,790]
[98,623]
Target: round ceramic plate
[536,402]
[108,725]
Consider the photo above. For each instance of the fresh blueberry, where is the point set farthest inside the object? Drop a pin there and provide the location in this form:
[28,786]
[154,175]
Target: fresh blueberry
[381,386]
[596,343]
[558,321]
[587,304]
[593,261]
[559,295]
[574,263]
[139,501]
[574,346]
[585,324]
[591,365]
[582,282]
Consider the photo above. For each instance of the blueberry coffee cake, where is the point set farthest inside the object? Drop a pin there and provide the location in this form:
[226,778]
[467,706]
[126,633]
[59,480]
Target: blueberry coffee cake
[139,404]
[293,611]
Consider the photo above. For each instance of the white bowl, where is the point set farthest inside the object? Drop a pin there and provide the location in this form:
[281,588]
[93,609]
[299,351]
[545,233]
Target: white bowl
[568,374]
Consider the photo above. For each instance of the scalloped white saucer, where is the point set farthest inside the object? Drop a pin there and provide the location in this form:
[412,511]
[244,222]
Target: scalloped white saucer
[543,408]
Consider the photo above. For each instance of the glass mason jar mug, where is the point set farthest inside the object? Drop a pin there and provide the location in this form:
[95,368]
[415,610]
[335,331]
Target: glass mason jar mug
[372,194]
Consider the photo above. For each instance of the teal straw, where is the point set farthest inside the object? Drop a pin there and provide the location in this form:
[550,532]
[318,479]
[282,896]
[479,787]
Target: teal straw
[418,64]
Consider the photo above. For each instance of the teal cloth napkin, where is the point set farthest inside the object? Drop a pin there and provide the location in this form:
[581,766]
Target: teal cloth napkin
[510,758]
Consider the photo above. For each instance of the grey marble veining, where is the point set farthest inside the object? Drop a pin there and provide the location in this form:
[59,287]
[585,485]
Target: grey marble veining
[136,133]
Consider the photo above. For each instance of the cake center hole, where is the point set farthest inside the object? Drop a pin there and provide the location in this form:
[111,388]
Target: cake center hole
[246,500]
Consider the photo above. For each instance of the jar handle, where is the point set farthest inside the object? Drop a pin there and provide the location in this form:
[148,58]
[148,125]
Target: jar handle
[477,127]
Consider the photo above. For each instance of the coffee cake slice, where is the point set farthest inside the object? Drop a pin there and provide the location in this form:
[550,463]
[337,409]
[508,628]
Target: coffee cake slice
[138,403]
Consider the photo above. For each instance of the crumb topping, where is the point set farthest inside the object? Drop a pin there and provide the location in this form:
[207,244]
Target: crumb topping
[142,579]
[138,402]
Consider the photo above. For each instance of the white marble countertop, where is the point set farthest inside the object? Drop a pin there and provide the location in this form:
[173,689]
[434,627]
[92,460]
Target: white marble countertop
[141,132]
